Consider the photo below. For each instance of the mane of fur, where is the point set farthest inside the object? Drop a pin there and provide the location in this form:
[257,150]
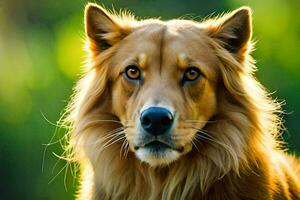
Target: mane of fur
[247,127]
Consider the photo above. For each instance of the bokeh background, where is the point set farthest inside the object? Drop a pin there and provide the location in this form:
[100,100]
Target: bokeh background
[41,54]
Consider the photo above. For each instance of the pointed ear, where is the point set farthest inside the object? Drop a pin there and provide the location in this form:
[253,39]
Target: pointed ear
[102,28]
[234,30]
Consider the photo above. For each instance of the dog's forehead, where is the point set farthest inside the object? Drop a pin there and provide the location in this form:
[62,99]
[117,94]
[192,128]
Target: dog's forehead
[168,44]
[177,43]
[185,40]
[176,37]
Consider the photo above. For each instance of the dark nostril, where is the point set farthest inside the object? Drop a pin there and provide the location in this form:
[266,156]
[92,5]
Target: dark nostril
[166,120]
[146,121]
[156,120]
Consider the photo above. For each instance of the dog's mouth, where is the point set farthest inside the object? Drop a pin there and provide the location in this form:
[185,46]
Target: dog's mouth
[158,152]
[159,146]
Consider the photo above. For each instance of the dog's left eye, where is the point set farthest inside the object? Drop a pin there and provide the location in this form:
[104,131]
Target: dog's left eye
[191,74]
[132,72]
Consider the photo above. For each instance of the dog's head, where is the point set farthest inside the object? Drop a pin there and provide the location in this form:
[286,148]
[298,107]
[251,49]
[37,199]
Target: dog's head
[165,81]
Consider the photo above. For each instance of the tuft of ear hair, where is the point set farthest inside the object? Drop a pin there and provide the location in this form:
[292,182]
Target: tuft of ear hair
[234,30]
[102,28]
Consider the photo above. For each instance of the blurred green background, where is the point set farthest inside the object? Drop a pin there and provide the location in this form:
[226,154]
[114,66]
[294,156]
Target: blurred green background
[41,55]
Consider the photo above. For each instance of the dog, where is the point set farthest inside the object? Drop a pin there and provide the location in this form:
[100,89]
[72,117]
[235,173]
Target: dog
[172,110]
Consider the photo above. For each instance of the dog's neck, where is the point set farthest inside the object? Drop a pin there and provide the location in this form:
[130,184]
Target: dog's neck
[136,180]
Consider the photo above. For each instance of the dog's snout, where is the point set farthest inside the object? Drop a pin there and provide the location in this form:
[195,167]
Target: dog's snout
[156,120]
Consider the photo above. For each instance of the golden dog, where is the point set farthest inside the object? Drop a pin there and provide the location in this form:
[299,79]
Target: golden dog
[171,110]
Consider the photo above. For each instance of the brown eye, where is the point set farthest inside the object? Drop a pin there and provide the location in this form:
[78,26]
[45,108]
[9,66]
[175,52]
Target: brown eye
[132,72]
[191,74]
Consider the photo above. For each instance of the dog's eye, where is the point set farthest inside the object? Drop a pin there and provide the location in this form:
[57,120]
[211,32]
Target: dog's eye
[191,74]
[132,72]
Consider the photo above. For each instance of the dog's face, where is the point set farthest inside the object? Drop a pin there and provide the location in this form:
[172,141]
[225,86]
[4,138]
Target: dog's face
[163,82]
[163,77]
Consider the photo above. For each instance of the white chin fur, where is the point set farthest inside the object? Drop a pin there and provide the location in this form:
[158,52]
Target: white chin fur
[154,160]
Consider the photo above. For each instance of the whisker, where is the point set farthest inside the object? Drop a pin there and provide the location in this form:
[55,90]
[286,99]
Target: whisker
[98,122]
[127,148]
[117,136]
[208,121]
[110,135]
[114,131]
[205,133]
[113,141]
[110,142]
[205,136]
[107,120]
[225,146]
[195,145]
[123,150]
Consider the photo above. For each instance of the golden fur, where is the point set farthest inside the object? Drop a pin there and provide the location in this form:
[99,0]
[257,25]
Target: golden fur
[228,125]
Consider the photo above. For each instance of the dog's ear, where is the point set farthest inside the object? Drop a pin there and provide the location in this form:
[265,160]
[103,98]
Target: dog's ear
[102,28]
[233,31]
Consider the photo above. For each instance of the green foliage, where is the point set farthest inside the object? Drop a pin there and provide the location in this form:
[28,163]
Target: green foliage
[41,52]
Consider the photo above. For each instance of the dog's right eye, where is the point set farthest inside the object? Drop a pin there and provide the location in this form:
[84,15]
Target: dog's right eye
[132,72]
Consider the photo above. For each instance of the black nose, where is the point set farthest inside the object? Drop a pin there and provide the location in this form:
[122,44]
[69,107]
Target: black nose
[156,120]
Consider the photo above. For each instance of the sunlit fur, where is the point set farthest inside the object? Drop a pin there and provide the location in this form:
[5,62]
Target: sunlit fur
[239,155]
